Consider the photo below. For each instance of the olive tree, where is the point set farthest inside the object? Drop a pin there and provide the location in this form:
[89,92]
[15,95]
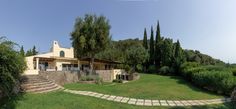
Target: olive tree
[90,36]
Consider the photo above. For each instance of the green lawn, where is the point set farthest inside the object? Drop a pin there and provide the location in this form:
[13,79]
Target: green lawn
[63,100]
[149,86]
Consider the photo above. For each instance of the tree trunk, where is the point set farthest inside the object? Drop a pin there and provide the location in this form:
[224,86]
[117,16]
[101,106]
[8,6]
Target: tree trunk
[91,65]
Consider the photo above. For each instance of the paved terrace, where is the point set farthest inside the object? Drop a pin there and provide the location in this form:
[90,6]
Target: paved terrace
[148,102]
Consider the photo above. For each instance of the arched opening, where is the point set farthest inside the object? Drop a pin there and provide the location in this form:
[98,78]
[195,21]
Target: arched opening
[62,54]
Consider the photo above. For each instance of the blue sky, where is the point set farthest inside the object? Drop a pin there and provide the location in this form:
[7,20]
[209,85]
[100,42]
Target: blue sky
[205,25]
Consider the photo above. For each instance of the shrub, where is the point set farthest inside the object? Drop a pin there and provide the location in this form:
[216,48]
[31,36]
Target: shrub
[117,81]
[152,69]
[233,71]
[11,65]
[218,81]
[165,70]
[139,68]
[215,68]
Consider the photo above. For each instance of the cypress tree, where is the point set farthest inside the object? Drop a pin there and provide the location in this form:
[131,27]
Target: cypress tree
[178,57]
[145,44]
[34,52]
[22,52]
[151,60]
[158,46]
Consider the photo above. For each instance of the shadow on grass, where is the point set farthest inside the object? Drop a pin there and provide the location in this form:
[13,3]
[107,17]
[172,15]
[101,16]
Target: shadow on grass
[11,101]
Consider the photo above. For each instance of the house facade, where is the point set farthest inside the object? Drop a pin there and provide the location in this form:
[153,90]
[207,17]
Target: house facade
[62,59]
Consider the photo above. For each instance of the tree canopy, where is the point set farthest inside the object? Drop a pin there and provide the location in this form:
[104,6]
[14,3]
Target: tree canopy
[12,63]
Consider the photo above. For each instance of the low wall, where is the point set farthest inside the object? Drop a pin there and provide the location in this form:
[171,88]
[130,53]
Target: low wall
[60,77]
[106,75]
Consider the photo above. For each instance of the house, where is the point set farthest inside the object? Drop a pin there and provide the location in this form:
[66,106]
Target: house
[62,59]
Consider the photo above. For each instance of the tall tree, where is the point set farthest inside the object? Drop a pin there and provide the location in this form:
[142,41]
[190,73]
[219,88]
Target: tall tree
[151,51]
[145,43]
[136,55]
[158,46]
[29,53]
[34,52]
[167,52]
[22,52]
[178,57]
[90,36]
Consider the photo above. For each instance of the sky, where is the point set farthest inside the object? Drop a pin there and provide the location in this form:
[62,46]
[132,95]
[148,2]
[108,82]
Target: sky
[205,25]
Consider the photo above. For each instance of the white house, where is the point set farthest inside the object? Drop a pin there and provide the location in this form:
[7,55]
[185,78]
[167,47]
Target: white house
[62,59]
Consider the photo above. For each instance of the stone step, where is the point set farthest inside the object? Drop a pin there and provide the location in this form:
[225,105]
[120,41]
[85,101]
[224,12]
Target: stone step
[34,81]
[38,90]
[37,86]
[45,91]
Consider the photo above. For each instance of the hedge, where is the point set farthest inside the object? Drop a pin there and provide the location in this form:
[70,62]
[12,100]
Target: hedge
[214,78]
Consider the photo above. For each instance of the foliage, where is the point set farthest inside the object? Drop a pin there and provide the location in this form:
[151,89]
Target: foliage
[22,52]
[234,71]
[90,36]
[151,48]
[166,70]
[118,81]
[136,55]
[158,46]
[152,69]
[12,63]
[196,56]
[214,78]
[31,52]
[145,43]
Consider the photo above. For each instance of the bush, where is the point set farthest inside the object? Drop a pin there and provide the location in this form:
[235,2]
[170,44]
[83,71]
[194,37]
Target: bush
[117,81]
[233,71]
[152,69]
[139,68]
[215,68]
[165,70]
[219,81]
[11,65]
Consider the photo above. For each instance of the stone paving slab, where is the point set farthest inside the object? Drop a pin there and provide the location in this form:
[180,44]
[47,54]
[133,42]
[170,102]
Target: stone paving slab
[163,103]
[111,98]
[118,98]
[124,100]
[171,103]
[148,103]
[156,103]
[142,102]
[132,101]
[105,96]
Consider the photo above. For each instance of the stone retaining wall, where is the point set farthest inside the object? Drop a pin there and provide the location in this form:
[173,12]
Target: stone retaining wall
[61,77]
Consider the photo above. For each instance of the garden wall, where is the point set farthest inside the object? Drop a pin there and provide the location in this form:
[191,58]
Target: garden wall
[61,77]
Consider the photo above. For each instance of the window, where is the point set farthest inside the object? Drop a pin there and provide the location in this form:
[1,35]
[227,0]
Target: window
[62,54]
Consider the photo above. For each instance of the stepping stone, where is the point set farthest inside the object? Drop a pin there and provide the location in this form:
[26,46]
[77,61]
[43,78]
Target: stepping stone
[178,103]
[111,98]
[186,103]
[156,103]
[132,101]
[194,103]
[124,100]
[140,102]
[98,95]
[163,103]
[105,96]
[148,103]
[118,99]
[171,103]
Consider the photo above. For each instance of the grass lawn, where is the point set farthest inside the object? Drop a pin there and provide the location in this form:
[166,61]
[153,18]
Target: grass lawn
[63,100]
[149,86]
